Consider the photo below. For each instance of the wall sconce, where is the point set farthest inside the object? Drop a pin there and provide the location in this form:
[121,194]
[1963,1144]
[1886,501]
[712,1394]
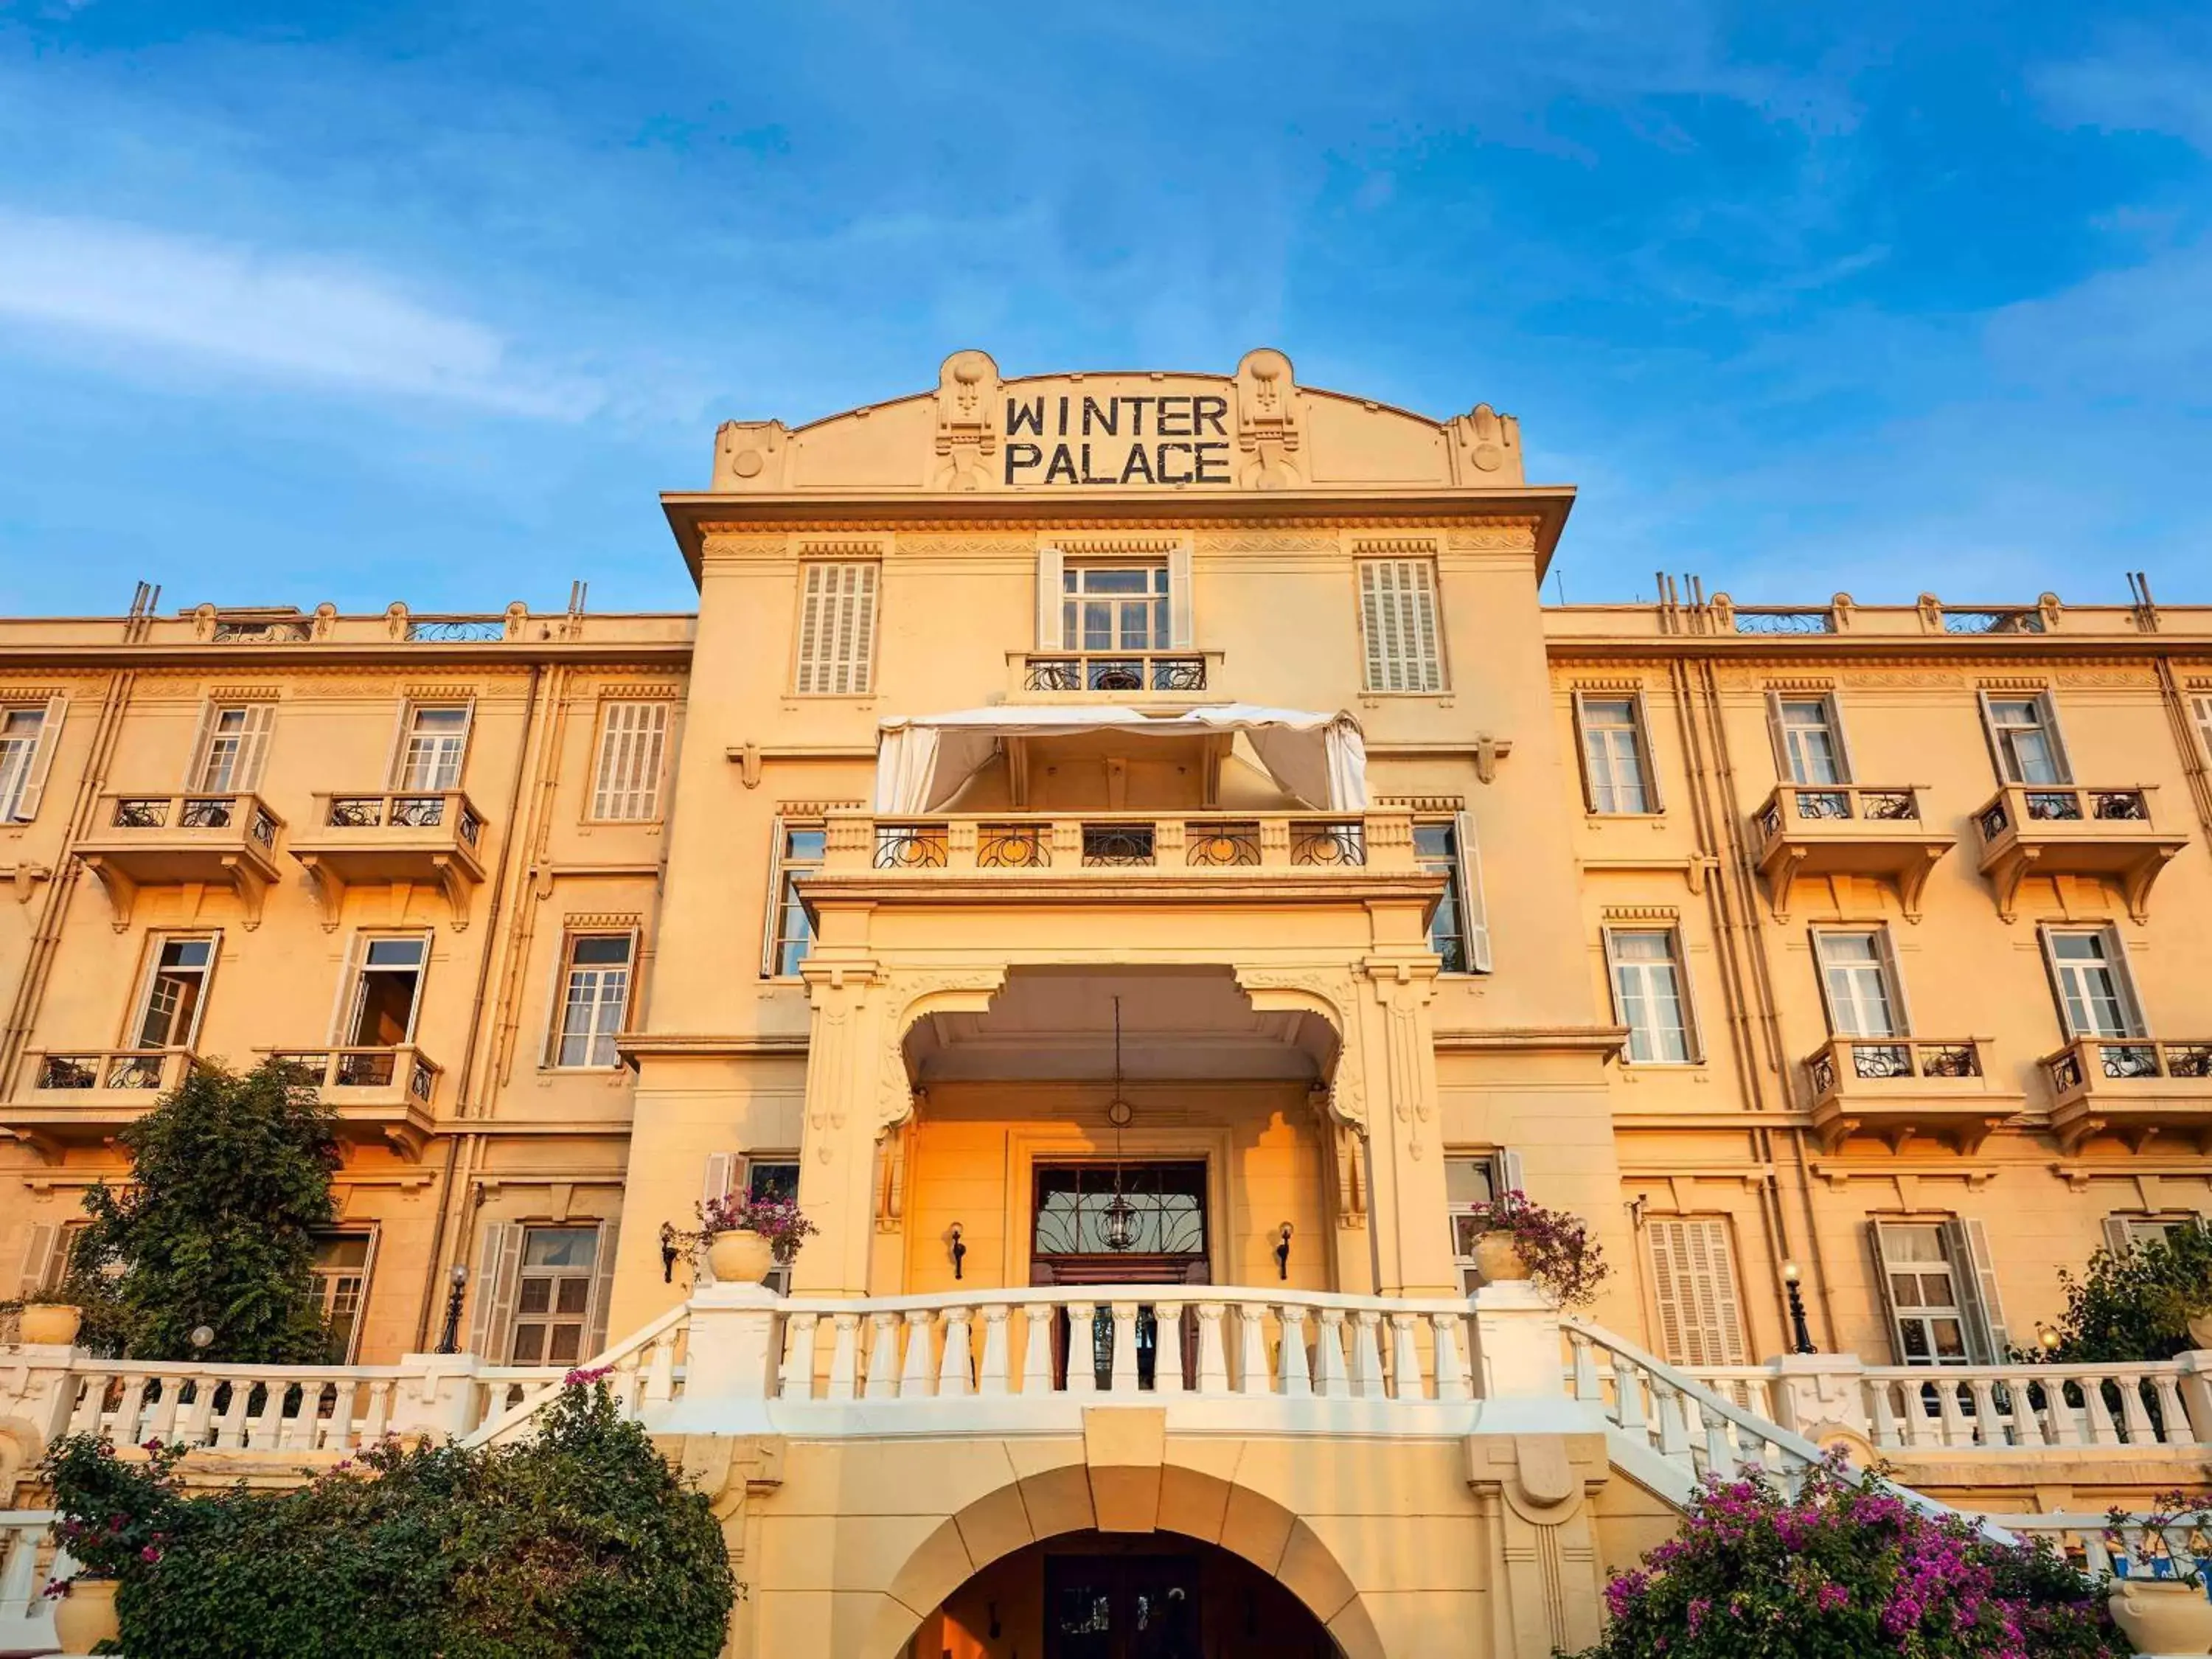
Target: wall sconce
[668,1253]
[1797,1327]
[959,1251]
[1283,1251]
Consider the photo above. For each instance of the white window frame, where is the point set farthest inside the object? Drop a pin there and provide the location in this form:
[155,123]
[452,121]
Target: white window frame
[1402,626]
[1789,753]
[1602,797]
[248,747]
[1697,1291]
[583,1318]
[2126,1229]
[843,597]
[1694,1053]
[2200,705]
[140,1003]
[1884,965]
[1462,872]
[1975,1301]
[564,998]
[1502,1169]
[1155,602]
[2004,756]
[733,1172]
[630,759]
[353,990]
[26,760]
[2124,982]
[779,865]
[325,1284]
[403,748]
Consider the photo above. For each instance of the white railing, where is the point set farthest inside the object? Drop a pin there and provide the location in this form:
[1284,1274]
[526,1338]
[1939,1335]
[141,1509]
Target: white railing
[1693,1430]
[644,1371]
[1124,1341]
[28,1565]
[2087,1538]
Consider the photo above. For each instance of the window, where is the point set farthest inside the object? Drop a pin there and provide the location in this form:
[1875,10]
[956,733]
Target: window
[758,1176]
[1398,622]
[1616,760]
[48,1256]
[799,852]
[1114,607]
[2123,1232]
[388,991]
[633,737]
[1457,932]
[594,997]
[553,1295]
[28,738]
[226,760]
[2094,997]
[1648,996]
[2201,707]
[1859,981]
[176,992]
[1940,1285]
[837,628]
[1693,1278]
[1810,739]
[1468,1182]
[2024,735]
[436,742]
[341,1273]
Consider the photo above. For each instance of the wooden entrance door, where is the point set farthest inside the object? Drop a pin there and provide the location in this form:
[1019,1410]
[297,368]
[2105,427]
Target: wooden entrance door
[1126,1607]
[1169,1246]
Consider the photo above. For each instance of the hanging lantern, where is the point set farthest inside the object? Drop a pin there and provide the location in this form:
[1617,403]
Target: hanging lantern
[1119,1224]
[1118,1221]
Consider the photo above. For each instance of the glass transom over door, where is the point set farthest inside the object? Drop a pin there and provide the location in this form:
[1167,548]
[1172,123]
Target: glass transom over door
[1162,1240]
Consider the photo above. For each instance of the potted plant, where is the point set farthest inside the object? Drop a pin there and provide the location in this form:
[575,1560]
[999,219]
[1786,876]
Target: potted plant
[747,1237]
[1518,1238]
[48,1317]
[115,1518]
[2159,1600]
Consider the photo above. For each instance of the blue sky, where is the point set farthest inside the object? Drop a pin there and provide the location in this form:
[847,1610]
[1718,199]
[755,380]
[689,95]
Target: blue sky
[358,302]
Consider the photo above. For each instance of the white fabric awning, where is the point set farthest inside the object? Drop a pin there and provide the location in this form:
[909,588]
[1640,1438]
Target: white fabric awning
[922,761]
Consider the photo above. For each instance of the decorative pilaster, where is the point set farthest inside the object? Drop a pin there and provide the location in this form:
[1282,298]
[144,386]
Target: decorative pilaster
[1533,1492]
[837,1143]
[1405,1149]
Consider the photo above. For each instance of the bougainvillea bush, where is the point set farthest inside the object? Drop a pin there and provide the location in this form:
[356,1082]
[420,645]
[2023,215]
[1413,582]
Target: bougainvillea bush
[581,1541]
[1847,1569]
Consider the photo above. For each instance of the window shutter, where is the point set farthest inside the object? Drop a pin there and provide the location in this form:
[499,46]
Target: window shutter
[1968,1244]
[2203,705]
[1181,627]
[1473,906]
[254,746]
[1583,756]
[499,1264]
[1845,765]
[632,741]
[195,758]
[1051,571]
[1779,735]
[837,628]
[1693,1273]
[2048,705]
[1990,737]
[721,1176]
[1882,1286]
[2119,1239]
[39,1257]
[1398,615]
[42,762]
[603,1287]
[1515,1180]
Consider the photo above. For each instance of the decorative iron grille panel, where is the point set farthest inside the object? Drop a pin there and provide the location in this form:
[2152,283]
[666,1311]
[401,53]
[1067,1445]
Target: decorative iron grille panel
[1169,1199]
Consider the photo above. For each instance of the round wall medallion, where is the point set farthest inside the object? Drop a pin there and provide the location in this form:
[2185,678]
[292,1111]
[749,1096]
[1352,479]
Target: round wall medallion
[747,463]
[1489,457]
[1120,1114]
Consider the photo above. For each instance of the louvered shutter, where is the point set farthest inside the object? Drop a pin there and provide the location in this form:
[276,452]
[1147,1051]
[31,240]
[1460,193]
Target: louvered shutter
[2119,1236]
[1967,1243]
[837,628]
[196,761]
[253,747]
[1398,615]
[1473,906]
[39,1258]
[2203,705]
[1182,629]
[42,760]
[633,737]
[1693,1276]
[722,1174]
[499,1265]
[1517,1179]
[1779,735]
[1881,1272]
[1051,576]
[603,1288]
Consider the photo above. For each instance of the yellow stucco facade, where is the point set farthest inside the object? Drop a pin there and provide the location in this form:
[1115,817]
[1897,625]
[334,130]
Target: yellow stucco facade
[1224,710]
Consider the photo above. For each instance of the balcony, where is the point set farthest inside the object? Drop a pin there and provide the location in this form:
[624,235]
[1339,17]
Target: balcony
[2133,1088]
[426,838]
[2062,829]
[1895,1088]
[1848,829]
[87,1094]
[387,1094]
[1183,675]
[183,839]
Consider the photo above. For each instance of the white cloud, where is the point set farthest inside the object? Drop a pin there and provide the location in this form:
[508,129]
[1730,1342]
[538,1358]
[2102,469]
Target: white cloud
[270,313]
[2148,84]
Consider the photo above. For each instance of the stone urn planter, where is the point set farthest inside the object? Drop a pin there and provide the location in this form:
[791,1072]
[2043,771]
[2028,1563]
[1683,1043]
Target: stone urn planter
[86,1616]
[738,1257]
[2163,1616]
[53,1324]
[2200,1331]
[1498,1258]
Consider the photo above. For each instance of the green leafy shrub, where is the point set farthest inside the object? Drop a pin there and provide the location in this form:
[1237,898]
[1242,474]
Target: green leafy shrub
[580,1543]
[2136,1306]
[1846,1569]
[230,1177]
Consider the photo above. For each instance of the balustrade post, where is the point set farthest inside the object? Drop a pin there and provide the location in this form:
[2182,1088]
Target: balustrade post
[1213,1360]
[1036,1351]
[437,1399]
[1816,1394]
[997,1361]
[1082,1347]
[953,1379]
[1521,1360]
[915,1375]
[1123,1378]
[2193,1381]
[1297,1378]
[1405,1358]
[883,1358]
[1367,1355]
[1328,1375]
[1252,1373]
[733,1356]
[41,1389]
[799,1356]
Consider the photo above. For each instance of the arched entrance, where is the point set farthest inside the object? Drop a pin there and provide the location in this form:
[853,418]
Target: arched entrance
[1100,1595]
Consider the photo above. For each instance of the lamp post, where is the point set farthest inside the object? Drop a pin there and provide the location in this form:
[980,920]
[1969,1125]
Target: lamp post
[1798,1330]
[451,1341]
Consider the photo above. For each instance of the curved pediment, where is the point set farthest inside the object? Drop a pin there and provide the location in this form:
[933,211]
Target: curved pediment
[1256,429]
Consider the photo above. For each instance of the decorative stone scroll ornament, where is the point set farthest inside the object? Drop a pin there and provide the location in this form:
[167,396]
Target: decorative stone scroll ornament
[1268,431]
[1487,446]
[968,386]
[909,999]
[1403,989]
[749,454]
[1329,996]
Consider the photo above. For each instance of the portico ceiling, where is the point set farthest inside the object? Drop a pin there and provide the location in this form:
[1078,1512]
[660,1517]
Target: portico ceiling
[1057,1024]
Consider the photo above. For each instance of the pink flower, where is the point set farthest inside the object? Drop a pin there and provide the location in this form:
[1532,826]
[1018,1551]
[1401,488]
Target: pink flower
[150,1553]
